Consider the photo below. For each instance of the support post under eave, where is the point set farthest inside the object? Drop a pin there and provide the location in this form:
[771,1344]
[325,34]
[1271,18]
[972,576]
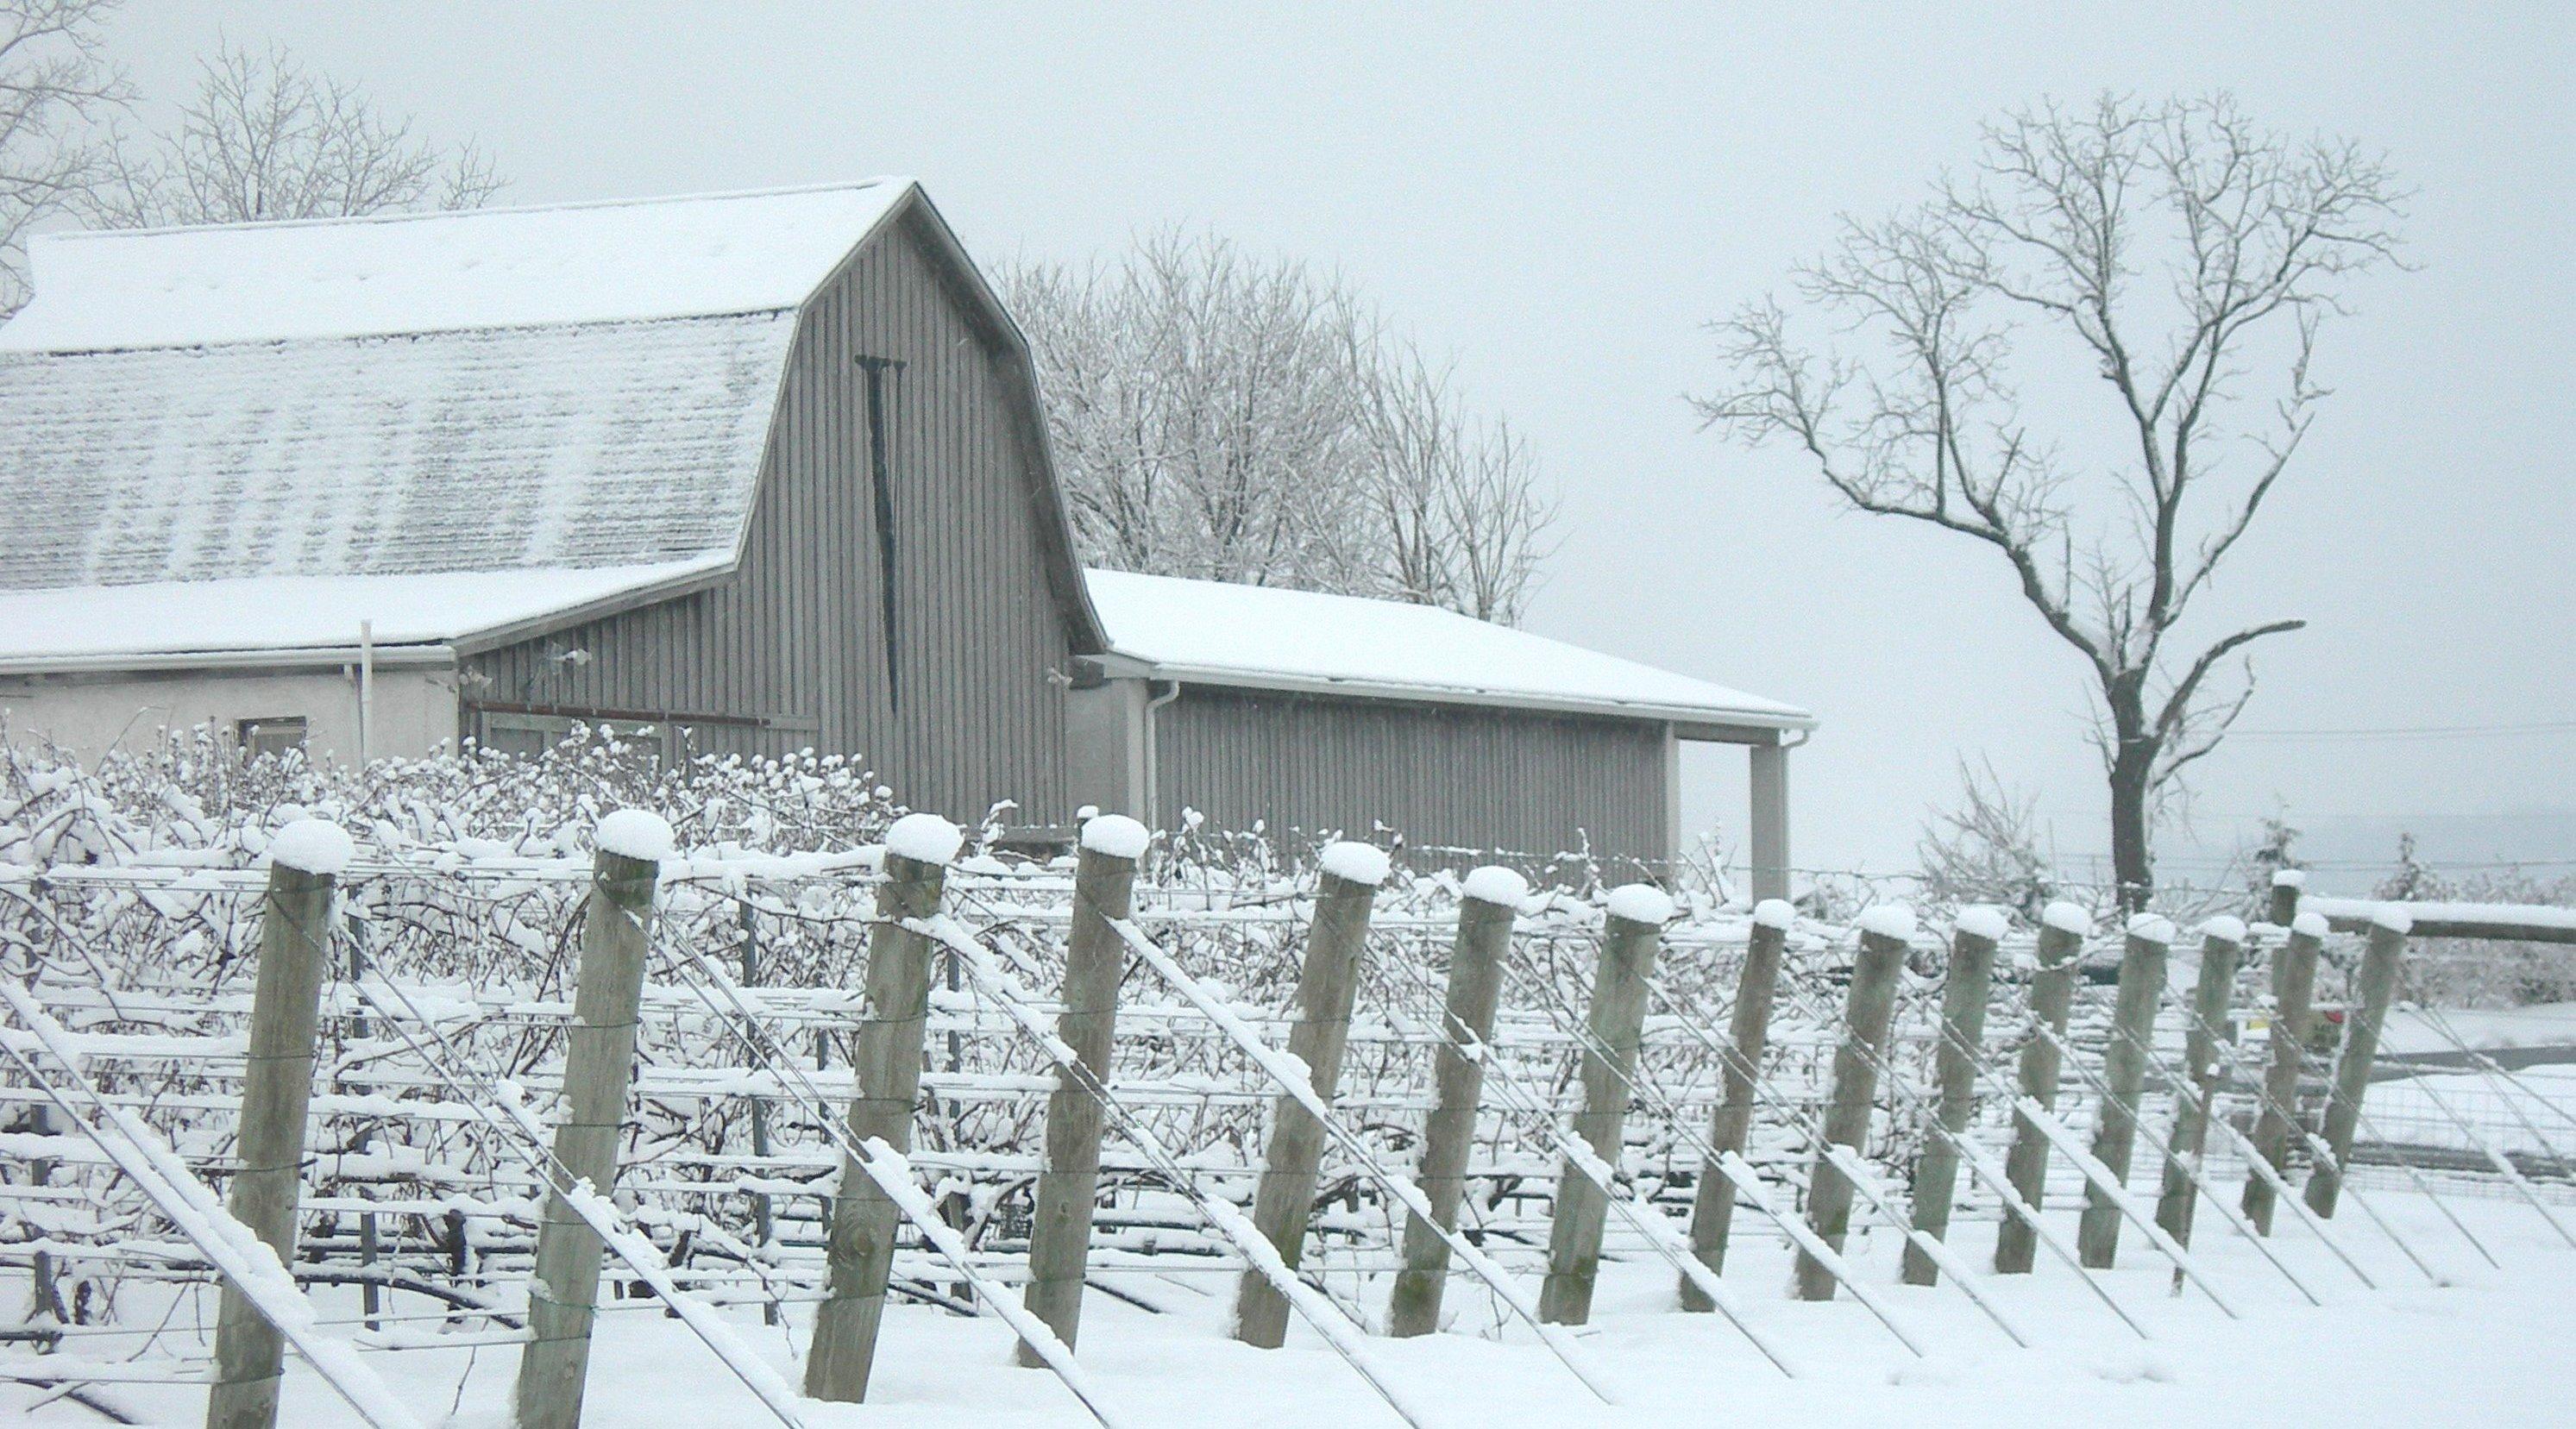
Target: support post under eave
[1769,826]
[1672,810]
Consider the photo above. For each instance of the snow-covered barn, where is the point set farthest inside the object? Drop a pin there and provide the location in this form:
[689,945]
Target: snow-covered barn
[761,472]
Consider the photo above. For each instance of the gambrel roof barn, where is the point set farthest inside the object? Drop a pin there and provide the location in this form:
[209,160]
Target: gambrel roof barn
[762,472]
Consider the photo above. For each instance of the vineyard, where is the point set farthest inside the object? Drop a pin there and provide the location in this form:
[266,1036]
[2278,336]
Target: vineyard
[1904,1082]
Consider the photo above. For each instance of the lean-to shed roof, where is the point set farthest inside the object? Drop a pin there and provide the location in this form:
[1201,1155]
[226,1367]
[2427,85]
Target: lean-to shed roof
[1258,637]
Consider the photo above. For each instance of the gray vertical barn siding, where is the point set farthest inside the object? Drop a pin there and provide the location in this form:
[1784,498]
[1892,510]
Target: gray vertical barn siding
[1511,780]
[793,644]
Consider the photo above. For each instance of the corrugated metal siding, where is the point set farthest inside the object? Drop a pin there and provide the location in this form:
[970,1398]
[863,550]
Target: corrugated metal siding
[797,638]
[1510,780]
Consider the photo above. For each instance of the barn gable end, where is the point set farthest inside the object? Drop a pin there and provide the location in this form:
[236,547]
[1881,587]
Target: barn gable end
[956,702]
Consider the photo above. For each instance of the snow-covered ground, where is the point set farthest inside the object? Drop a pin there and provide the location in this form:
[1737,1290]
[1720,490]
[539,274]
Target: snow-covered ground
[2548,1024]
[2487,1349]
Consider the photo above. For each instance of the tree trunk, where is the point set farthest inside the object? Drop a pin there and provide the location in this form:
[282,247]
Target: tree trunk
[2132,770]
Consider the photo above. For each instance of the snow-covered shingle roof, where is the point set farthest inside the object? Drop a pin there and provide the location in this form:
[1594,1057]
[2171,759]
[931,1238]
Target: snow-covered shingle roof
[575,447]
[1257,637]
[573,402]
[405,273]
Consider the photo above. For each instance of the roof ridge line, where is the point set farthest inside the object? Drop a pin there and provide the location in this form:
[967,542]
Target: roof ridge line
[569,205]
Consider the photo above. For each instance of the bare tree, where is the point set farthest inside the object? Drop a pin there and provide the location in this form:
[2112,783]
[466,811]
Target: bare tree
[265,138]
[53,84]
[1219,416]
[1459,520]
[2177,252]
[1986,847]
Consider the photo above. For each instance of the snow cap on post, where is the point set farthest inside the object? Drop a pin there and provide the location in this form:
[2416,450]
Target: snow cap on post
[1775,913]
[315,846]
[924,838]
[2068,917]
[2226,928]
[1892,921]
[1356,862]
[2290,878]
[2152,928]
[639,834]
[1496,885]
[2310,924]
[1641,903]
[2393,917]
[1988,924]
[1116,835]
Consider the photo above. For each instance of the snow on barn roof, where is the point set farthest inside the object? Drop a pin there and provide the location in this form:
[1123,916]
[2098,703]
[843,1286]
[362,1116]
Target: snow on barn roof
[252,437]
[197,619]
[1259,637]
[695,256]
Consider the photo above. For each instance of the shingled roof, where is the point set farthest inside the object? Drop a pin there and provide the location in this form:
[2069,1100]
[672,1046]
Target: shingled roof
[186,414]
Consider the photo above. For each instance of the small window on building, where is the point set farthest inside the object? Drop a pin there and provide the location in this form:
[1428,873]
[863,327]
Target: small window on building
[528,736]
[523,736]
[280,734]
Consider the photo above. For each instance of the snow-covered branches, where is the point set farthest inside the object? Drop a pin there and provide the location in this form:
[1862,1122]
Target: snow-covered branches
[265,138]
[2175,252]
[1219,416]
[1985,849]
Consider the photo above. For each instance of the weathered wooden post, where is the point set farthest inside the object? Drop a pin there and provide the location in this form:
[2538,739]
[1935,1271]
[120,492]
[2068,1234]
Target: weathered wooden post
[2063,927]
[2294,986]
[599,1066]
[1885,932]
[1638,912]
[1713,1204]
[885,1064]
[1095,958]
[2124,1078]
[277,1091]
[1325,987]
[1489,900]
[1956,1063]
[2222,945]
[764,1223]
[2372,987]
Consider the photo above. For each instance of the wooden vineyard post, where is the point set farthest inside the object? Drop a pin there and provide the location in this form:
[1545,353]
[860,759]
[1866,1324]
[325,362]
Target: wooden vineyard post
[2294,987]
[2222,946]
[1713,1205]
[2062,930]
[1095,959]
[2372,987]
[1491,898]
[599,1066]
[1634,926]
[2124,1079]
[1885,932]
[885,1065]
[1956,1063]
[764,1221]
[1325,986]
[277,1093]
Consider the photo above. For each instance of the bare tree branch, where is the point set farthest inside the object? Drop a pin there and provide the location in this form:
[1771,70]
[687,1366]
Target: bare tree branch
[54,84]
[1218,416]
[2193,259]
[265,138]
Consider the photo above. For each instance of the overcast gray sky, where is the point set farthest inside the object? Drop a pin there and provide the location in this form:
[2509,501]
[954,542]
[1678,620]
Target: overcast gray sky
[1561,195]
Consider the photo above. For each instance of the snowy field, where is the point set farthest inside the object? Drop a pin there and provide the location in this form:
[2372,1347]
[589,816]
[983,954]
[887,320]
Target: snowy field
[2488,1348]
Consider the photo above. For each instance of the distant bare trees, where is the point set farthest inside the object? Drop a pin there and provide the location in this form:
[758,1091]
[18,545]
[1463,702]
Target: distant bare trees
[266,138]
[2175,253]
[1231,418]
[54,85]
